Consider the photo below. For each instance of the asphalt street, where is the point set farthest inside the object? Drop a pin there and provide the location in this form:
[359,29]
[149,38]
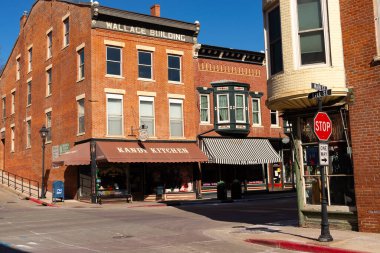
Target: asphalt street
[28,227]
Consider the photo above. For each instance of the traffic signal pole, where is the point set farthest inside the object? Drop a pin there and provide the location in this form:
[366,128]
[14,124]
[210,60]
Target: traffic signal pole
[325,230]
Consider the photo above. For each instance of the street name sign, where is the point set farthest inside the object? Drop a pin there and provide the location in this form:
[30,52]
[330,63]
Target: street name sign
[318,87]
[319,94]
[323,154]
[322,126]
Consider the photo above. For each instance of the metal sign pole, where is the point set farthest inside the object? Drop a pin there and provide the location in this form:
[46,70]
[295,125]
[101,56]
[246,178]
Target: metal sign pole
[325,231]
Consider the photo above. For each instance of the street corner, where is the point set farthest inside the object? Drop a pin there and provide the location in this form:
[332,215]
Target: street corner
[300,246]
[40,202]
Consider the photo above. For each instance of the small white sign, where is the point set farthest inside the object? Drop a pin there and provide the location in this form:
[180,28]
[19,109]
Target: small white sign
[323,154]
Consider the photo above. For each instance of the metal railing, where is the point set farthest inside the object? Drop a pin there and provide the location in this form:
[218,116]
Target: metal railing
[20,184]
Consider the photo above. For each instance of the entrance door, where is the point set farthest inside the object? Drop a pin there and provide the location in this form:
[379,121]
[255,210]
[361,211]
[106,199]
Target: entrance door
[136,180]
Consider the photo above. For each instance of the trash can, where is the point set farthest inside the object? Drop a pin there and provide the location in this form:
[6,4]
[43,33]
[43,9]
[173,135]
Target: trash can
[58,191]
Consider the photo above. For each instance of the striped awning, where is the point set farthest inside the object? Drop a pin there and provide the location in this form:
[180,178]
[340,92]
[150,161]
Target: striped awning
[239,151]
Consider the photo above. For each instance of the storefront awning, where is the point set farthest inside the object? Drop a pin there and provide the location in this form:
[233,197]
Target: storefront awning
[239,151]
[149,152]
[78,155]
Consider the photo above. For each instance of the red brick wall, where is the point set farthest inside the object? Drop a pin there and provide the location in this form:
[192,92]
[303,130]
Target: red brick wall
[131,85]
[359,42]
[210,70]
[43,16]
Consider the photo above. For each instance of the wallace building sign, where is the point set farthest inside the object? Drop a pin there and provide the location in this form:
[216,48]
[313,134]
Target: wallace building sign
[143,31]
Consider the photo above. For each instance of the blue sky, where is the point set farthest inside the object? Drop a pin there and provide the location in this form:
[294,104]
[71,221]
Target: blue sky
[235,24]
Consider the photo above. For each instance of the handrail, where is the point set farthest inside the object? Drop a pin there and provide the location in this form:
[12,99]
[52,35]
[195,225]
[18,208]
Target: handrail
[25,186]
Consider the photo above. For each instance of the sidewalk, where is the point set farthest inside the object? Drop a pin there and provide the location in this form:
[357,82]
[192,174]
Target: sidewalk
[305,239]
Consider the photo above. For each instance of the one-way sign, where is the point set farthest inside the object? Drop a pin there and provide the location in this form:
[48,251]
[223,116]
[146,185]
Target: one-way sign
[319,94]
[323,154]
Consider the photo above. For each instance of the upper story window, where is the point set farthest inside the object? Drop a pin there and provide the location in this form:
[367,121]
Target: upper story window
[223,111]
[176,117]
[13,139]
[30,58]
[29,93]
[81,122]
[205,108]
[48,82]
[256,111]
[240,108]
[145,64]
[66,32]
[28,134]
[114,115]
[147,114]
[274,121]
[174,68]
[4,104]
[275,41]
[81,64]
[50,44]
[113,61]
[377,25]
[13,105]
[18,68]
[48,126]
[311,31]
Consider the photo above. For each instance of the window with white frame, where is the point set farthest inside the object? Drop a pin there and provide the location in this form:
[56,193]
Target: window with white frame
[205,108]
[256,112]
[81,119]
[81,64]
[311,31]
[66,32]
[174,68]
[48,126]
[13,105]
[29,93]
[49,44]
[12,139]
[223,111]
[274,118]
[18,68]
[176,117]
[377,25]
[240,108]
[145,64]
[114,114]
[4,104]
[30,59]
[28,134]
[275,41]
[147,114]
[48,82]
[113,61]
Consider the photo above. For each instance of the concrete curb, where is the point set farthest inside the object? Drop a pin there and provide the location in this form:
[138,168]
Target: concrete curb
[288,245]
[38,201]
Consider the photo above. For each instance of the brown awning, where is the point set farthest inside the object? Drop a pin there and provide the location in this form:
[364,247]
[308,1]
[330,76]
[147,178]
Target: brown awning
[149,152]
[78,155]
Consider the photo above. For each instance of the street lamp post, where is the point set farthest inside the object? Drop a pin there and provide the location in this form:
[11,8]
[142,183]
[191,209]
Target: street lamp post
[43,132]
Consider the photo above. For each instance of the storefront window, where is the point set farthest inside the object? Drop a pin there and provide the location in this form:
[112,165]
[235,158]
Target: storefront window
[339,173]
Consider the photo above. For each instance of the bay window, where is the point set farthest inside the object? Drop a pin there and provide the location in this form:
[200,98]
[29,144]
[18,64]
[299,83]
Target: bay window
[311,31]
[223,108]
[275,41]
[240,108]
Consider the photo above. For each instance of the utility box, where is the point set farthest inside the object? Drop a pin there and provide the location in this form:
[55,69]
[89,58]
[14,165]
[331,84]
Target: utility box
[58,191]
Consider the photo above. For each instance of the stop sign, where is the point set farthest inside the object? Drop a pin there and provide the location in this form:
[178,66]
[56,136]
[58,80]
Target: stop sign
[322,126]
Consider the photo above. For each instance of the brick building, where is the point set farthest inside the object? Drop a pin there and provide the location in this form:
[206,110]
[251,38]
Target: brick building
[361,44]
[123,97]
[343,55]
[102,81]
[240,144]
[304,46]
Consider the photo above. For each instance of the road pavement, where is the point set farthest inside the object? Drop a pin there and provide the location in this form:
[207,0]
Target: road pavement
[26,226]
